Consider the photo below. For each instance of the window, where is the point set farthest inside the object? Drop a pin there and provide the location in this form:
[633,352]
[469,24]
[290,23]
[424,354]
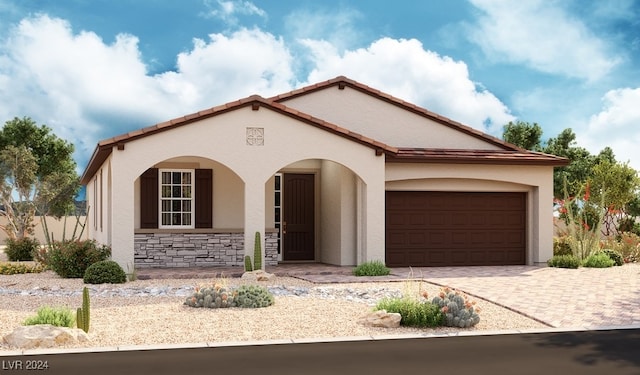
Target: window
[176,198]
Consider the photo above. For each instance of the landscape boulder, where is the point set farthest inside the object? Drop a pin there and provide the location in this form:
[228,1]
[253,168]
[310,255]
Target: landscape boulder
[258,275]
[44,336]
[381,318]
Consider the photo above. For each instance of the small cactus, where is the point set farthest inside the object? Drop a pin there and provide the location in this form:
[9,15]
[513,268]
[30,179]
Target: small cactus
[257,253]
[247,264]
[83,314]
[458,311]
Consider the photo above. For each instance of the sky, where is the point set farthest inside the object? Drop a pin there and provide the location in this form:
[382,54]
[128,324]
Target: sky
[93,69]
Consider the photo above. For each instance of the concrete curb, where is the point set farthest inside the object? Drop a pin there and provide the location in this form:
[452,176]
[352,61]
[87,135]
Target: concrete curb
[53,351]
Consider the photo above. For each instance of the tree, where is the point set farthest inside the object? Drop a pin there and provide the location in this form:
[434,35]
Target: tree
[38,175]
[523,134]
[579,168]
[616,184]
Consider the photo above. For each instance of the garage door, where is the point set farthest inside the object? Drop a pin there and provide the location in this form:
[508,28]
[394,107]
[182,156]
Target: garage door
[455,228]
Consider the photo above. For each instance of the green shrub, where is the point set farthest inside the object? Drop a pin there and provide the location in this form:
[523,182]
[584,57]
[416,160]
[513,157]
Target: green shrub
[457,310]
[561,245]
[414,313]
[70,259]
[615,256]
[371,268]
[21,249]
[598,260]
[59,317]
[104,271]
[564,261]
[19,268]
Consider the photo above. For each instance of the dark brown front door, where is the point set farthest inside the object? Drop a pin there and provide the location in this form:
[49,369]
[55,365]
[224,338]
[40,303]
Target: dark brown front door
[298,217]
[455,229]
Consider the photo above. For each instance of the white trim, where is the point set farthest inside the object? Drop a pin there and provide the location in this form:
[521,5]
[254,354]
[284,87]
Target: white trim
[191,198]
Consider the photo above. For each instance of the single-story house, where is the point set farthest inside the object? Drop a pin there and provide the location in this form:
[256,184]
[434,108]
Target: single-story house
[336,172]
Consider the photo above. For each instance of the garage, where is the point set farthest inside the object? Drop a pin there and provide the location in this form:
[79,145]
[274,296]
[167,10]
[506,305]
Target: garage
[434,228]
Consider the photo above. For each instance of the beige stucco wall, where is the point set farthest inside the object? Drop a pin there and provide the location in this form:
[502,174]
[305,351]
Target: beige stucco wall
[382,121]
[57,227]
[536,181]
[223,140]
[339,215]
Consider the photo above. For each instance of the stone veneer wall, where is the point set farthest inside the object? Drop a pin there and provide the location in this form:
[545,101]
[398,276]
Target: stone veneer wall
[161,250]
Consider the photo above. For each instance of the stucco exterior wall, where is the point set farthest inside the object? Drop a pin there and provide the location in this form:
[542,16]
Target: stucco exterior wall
[382,121]
[223,139]
[338,217]
[535,181]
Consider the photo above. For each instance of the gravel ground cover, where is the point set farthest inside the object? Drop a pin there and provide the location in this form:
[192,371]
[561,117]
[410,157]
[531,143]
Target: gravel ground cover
[149,312]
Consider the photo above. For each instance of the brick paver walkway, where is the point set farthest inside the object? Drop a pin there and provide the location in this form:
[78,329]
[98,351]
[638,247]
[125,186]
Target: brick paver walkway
[586,297]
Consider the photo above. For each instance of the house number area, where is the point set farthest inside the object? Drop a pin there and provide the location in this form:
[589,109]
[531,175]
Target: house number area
[19,365]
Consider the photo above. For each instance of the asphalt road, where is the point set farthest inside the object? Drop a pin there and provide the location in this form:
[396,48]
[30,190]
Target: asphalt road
[589,352]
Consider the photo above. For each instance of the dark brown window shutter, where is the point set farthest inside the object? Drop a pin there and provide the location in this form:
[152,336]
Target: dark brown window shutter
[204,198]
[149,198]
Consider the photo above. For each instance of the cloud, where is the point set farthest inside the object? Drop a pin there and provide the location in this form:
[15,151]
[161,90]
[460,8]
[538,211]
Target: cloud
[403,68]
[87,90]
[228,11]
[616,126]
[542,36]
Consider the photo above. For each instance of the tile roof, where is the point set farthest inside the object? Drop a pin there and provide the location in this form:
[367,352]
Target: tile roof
[433,155]
[510,155]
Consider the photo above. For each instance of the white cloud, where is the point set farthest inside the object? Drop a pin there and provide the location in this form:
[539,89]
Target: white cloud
[87,90]
[541,35]
[228,11]
[616,126]
[403,68]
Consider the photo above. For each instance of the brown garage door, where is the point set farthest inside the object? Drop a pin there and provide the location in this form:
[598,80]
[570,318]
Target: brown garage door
[425,228]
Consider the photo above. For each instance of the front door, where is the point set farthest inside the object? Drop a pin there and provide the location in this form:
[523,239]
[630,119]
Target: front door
[298,221]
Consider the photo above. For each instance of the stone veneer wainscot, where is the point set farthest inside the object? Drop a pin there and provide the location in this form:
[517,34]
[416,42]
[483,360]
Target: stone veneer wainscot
[162,249]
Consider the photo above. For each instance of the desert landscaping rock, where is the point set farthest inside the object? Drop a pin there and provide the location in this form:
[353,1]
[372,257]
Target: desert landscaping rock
[44,336]
[381,318]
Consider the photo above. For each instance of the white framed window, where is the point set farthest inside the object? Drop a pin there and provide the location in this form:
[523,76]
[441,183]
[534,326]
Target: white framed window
[176,198]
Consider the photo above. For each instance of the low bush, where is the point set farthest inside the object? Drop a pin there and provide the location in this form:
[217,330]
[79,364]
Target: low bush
[561,245]
[414,313]
[104,272]
[59,317]
[614,256]
[564,261]
[21,249]
[372,268]
[19,268]
[70,259]
[598,260]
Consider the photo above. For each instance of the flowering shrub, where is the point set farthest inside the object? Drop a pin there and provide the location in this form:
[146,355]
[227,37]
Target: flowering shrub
[584,222]
[627,244]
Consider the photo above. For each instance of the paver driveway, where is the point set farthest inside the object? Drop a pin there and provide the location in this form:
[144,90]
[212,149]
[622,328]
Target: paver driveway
[584,297]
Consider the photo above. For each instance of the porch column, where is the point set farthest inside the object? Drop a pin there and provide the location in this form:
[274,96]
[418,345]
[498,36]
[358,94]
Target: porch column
[122,212]
[374,218]
[254,216]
